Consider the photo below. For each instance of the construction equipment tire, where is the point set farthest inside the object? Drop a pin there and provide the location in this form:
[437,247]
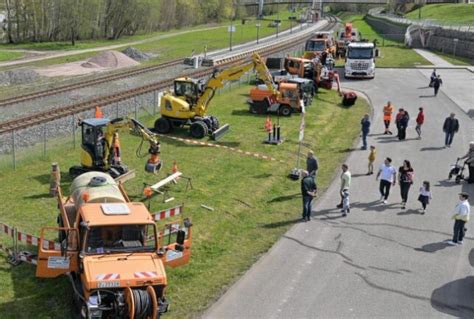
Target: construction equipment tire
[162,125]
[285,110]
[214,123]
[198,129]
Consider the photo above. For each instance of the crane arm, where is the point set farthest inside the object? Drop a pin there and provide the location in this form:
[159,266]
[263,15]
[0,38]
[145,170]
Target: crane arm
[218,79]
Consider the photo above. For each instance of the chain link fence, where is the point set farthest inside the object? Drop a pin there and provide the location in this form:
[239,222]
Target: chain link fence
[42,141]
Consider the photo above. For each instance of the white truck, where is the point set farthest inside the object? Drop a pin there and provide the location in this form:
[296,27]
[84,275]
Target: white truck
[360,60]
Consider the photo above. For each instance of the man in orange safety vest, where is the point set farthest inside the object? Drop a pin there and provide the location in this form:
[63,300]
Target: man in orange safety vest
[387,116]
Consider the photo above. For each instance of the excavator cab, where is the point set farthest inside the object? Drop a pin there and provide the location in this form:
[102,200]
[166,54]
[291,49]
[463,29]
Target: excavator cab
[187,88]
[94,144]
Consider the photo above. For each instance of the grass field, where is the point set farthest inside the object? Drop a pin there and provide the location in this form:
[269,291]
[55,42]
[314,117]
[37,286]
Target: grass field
[453,13]
[392,53]
[171,47]
[226,241]
[9,55]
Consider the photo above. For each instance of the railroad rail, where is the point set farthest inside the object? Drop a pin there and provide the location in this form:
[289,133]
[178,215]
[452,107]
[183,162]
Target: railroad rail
[68,110]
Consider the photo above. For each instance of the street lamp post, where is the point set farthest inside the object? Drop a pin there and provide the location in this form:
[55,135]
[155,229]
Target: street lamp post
[292,18]
[231,30]
[258,30]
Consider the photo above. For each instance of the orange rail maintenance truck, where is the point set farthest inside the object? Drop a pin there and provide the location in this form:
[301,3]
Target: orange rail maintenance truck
[111,251]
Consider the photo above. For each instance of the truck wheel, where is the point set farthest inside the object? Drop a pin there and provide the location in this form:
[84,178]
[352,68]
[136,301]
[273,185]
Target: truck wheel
[215,123]
[285,110]
[198,129]
[162,125]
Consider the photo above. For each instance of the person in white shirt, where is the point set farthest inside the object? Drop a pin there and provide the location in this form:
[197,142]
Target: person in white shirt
[425,196]
[387,174]
[345,183]
[461,215]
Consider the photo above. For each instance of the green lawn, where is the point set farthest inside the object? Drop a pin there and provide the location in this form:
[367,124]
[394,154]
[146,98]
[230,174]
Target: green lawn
[456,13]
[392,53]
[179,45]
[9,55]
[226,241]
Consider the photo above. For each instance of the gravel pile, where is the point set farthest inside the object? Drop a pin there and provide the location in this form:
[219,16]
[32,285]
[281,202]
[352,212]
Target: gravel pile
[136,54]
[110,59]
[20,76]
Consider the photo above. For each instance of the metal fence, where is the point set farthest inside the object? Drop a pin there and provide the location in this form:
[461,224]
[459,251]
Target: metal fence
[376,12]
[37,143]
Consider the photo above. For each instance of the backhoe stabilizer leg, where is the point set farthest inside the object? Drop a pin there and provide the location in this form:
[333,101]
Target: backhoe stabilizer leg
[217,134]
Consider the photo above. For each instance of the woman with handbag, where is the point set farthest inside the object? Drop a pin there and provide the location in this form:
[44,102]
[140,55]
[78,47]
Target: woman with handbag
[405,179]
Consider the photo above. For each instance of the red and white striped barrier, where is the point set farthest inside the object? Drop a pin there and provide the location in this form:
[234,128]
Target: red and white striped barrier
[167,213]
[34,241]
[257,155]
[4,228]
[145,274]
[107,277]
[27,257]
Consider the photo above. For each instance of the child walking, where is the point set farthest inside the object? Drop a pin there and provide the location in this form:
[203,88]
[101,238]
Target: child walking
[425,195]
[371,160]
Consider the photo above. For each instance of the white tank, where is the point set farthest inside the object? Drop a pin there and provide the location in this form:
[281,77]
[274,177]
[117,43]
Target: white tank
[100,187]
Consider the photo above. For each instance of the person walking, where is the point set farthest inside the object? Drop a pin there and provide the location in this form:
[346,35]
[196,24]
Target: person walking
[398,118]
[345,183]
[372,155]
[403,124]
[462,212]
[470,162]
[450,127]
[312,164]
[405,180]
[308,191]
[365,129]
[432,78]
[425,196]
[387,117]
[420,119]
[436,84]
[387,174]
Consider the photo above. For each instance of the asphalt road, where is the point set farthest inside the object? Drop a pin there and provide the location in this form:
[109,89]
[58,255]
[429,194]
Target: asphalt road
[380,261]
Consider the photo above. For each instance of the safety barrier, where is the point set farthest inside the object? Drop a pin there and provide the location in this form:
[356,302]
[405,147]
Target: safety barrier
[167,213]
[14,255]
[233,149]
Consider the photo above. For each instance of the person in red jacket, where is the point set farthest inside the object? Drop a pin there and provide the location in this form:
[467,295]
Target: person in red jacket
[420,119]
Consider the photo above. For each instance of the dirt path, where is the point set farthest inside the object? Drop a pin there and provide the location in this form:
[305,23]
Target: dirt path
[47,56]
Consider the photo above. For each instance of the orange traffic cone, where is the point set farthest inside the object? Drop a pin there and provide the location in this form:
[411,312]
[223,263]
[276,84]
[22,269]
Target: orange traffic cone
[98,112]
[268,124]
[175,170]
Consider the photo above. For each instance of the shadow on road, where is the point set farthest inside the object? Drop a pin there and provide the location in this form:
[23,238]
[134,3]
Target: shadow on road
[281,223]
[455,298]
[432,148]
[433,247]
[425,96]
[409,212]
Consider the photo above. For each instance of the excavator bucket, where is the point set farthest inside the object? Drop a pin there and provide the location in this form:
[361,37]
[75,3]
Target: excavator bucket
[152,168]
[217,134]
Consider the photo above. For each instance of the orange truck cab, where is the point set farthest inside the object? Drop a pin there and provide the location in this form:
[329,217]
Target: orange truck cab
[111,251]
[320,42]
[262,100]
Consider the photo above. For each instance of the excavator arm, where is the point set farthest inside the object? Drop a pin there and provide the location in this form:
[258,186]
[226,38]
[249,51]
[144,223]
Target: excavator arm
[218,79]
[138,129]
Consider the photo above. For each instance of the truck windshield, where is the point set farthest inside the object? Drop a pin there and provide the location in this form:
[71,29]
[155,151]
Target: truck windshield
[315,46]
[360,53]
[121,238]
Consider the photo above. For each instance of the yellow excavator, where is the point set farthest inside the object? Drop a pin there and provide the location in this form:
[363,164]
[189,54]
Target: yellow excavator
[100,147]
[188,104]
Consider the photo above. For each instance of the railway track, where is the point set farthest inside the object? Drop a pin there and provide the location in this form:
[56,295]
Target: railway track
[68,110]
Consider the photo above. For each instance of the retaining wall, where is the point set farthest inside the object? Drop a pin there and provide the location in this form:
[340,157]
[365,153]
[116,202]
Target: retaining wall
[438,39]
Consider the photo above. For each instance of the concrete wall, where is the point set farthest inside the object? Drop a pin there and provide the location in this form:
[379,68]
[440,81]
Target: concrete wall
[390,30]
[443,40]
[439,39]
